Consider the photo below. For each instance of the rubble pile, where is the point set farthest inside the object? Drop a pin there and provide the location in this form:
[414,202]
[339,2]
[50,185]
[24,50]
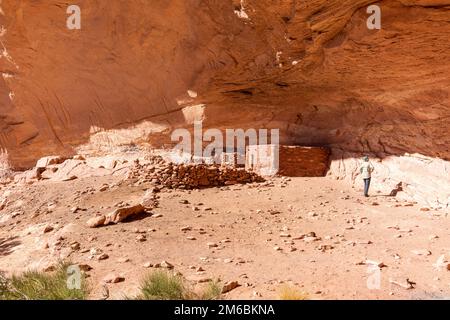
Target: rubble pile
[189,176]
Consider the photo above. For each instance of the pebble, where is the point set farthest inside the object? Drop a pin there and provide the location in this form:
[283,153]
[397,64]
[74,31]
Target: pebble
[75,246]
[113,278]
[103,256]
[421,252]
[167,265]
[231,285]
[85,267]
[141,238]
[48,229]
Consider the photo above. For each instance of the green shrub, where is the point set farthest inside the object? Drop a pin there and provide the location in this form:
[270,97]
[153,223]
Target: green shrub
[212,291]
[161,285]
[34,285]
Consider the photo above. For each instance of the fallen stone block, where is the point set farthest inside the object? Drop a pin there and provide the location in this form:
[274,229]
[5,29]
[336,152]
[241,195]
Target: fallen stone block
[96,221]
[123,213]
[46,161]
[231,285]
[113,278]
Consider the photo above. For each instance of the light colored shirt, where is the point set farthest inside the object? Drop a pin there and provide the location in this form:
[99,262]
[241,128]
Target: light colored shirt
[366,170]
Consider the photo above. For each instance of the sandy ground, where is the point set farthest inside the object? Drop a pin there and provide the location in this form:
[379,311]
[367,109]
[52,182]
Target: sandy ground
[259,232]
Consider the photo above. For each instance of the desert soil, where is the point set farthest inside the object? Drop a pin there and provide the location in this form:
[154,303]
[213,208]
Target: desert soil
[257,234]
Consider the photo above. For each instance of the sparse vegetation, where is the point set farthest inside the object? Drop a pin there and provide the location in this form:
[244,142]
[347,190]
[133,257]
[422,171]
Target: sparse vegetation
[292,293]
[161,285]
[212,291]
[34,285]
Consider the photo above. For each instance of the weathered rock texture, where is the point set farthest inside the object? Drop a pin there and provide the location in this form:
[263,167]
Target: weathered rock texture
[415,177]
[303,162]
[311,68]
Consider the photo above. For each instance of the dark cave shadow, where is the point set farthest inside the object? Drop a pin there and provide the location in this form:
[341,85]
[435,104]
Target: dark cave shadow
[7,245]
[138,217]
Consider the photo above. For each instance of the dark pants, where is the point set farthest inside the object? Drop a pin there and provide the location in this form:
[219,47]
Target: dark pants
[366,186]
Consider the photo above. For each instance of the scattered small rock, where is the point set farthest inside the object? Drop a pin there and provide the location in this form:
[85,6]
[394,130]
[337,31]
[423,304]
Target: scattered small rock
[421,252]
[48,229]
[231,285]
[167,265]
[113,278]
[141,238]
[75,246]
[85,267]
[103,256]
[408,284]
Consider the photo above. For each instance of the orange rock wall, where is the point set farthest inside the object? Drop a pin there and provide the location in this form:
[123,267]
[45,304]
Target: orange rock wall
[311,68]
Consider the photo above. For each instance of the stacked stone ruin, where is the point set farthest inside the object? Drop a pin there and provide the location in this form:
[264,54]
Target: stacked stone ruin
[189,176]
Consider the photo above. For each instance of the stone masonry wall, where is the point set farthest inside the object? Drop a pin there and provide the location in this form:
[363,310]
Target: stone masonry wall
[303,161]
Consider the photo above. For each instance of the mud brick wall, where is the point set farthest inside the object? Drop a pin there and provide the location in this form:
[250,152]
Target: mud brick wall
[296,161]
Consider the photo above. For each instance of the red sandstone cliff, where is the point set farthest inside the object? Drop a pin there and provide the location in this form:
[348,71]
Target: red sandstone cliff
[311,68]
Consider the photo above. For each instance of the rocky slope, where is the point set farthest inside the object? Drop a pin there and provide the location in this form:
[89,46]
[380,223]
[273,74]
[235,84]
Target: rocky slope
[311,68]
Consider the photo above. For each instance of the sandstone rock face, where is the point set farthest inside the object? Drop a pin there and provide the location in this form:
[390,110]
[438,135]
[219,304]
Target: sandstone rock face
[410,177]
[130,61]
[311,68]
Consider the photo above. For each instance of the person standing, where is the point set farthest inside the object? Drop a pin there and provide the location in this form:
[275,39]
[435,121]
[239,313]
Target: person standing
[366,170]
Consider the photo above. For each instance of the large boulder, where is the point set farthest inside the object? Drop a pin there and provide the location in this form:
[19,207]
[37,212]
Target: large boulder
[122,214]
[115,217]
[49,160]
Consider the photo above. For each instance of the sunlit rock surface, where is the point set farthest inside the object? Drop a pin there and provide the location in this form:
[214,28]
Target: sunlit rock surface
[310,68]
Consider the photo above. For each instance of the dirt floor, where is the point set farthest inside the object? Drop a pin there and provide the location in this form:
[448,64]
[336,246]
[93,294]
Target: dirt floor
[259,235]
